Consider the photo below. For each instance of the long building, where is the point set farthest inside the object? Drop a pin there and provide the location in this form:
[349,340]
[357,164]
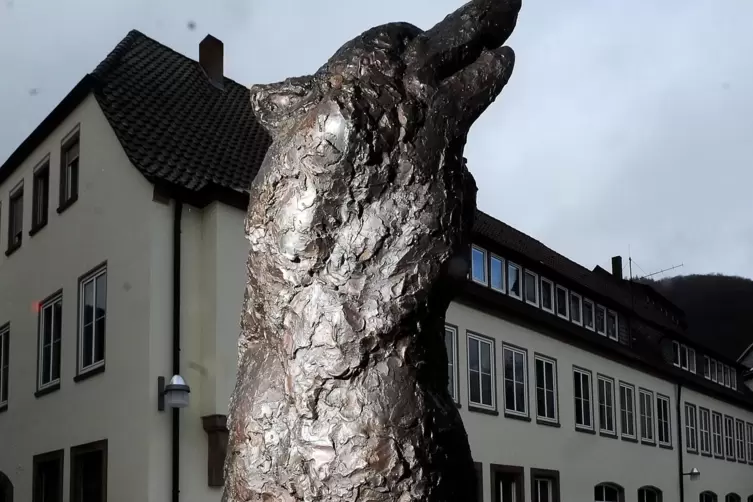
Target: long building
[121,221]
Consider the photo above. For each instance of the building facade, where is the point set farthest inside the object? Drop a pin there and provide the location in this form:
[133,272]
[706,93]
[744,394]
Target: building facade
[121,222]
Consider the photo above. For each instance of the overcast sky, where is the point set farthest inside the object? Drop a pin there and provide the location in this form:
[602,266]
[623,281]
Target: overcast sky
[627,125]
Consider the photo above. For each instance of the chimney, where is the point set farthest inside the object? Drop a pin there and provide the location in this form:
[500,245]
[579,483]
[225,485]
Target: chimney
[617,266]
[211,55]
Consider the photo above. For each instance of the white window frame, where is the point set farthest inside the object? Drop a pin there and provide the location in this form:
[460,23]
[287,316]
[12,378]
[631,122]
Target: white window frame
[608,407]
[717,434]
[729,437]
[91,277]
[704,431]
[452,360]
[593,314]
[480,340]
[691,360]
[749,440]
[4,363]
[585,406]
[706,367]
[629,414]
[521,279]
[567,302]
[596,319]
[740,439]
[661,399]
[48,304]
[546,361]
[579,298]
[552,291]
[691,428]
[485,282]
[645,418]
[616,325]
[503,270]
[535,276]
[713,370]
[515,350]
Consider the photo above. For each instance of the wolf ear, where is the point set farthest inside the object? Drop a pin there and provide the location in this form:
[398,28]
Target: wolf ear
[274,103]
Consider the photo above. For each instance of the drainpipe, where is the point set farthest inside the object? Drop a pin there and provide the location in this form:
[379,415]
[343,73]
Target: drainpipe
[681,467]
[178,210]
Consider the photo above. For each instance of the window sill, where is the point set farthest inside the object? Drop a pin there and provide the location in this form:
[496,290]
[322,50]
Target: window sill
[47,390]
[584,430]
[607,434]
[629,439]
[648,443]
[708,455]
[670,447]
[483,410]
[65,205]
[513,416]
[547,423]
[37,228]
[89,373]
[12,249]
[690,452]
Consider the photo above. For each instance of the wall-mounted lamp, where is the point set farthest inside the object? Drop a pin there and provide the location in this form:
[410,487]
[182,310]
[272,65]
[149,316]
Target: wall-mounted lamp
[694,474]
[174,394]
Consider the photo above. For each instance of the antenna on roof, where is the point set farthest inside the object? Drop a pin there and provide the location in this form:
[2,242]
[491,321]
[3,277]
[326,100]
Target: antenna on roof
[662,271]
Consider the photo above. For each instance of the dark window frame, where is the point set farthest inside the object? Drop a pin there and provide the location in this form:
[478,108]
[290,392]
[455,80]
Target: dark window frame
[496,471]
[551,475]
[95,446]
[4,366]
[52,456]
[39,215]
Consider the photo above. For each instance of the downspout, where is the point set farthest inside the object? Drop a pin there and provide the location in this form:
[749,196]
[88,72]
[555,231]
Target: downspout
[178,210]
[681,467]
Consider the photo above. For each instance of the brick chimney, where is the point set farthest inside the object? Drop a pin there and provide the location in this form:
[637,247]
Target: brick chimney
[211,55]
[617,266]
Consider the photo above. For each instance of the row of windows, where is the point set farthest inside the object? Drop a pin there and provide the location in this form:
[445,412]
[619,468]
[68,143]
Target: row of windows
[92,312]
[730,497]
[511,279]
[712,434]
[69,160]
[644,422]
[685,357]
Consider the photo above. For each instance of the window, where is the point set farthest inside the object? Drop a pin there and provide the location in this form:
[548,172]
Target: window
[663,416]
[649,494]
[691,428]
[513,280]
[583,410]
[546,389]
[740,438]
[547,295]
[576,308]
[713,370]
[733,378]
[478,265]
[716,422]
[516,376]
[627,410]
[451,343]
[749,438]
[16,219]
[729,437]
[707,367]
[532,288]
[676,353]
[608,492]
[89,472]
[480,371]
[40,196]
[588,314]
[646,413]
[545,485]
[93,309]
[726,375]
[704,427]
[612,326]
[562,304]
[683,357]
[4,364]
[498,273]
[49,333]
[708,497]
[606,405]
[691,360]
[69,172]
[720,373]
[732,497]
[48,477]
[601,320]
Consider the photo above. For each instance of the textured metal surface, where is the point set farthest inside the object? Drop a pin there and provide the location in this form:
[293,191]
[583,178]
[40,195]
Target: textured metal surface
[358,228]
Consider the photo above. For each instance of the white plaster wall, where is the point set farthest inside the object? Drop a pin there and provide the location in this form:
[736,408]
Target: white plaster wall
[583,460]
[720,476]
[110,221]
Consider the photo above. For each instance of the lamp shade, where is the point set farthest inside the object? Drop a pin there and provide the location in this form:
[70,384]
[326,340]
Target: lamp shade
[176,392]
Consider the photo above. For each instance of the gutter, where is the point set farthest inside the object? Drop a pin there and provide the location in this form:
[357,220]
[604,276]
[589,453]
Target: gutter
[680,466]
[177,214]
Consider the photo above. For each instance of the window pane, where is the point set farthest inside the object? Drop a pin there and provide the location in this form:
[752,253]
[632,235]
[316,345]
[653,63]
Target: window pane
[509,364]
[486,358]
[478,265]
[57,316]
[546,295]
[530,287]
[475,385]
[520,396]
[509,394]
[46,366]
[601,319]
[575,308]
[47,325]
[588,312]
[89,302]
[561,302]
[549,371]
[473,354]
[497,274]
[99,340]
[612,325]
[519,367]
[88,339]
[513,279]
[486,389]
[101,294]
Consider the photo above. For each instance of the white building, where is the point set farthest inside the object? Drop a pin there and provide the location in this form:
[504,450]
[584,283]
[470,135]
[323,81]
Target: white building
[121,217]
